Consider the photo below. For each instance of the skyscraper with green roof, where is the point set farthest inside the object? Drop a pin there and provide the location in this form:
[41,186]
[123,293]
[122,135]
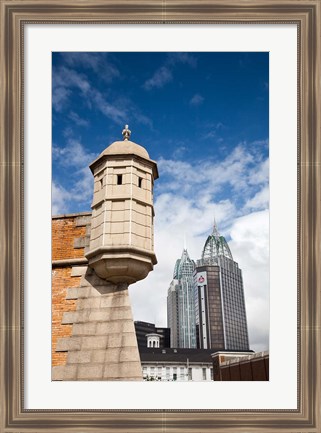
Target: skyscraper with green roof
[219,298]
[181,304]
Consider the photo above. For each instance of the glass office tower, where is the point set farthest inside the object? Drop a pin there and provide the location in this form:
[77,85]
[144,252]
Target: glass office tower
[181,304]
[219,298]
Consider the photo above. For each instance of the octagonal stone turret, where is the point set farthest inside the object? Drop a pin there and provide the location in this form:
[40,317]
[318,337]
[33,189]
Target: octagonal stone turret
[121,246]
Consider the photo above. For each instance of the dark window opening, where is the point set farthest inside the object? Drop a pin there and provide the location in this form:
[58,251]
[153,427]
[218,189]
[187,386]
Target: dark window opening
[140,182]
[119,179]
[101,183]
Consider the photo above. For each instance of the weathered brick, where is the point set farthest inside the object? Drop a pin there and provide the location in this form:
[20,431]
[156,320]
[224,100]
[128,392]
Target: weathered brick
[64,372]
[79,357]
[128,370]
[88,303]
[79,242]
[115,340]
[112,355]
[98,356]
[104,328]
[72,293]
[90,372]
[82,220]
[84,328]
[94,342]
[60,281]
[78,271]
[128,354]
[64,231]
[68,343]
[115,300]
[129,340]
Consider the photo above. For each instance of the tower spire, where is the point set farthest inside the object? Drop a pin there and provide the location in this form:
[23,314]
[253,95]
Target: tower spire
[215,229]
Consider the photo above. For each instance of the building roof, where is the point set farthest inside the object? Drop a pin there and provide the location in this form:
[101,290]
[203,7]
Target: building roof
[184,266]
[215,246]
[176,355]
[125,147]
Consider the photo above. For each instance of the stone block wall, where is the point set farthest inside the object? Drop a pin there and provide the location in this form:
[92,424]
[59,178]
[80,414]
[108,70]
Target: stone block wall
[61,283]
[93,334]
[69,233]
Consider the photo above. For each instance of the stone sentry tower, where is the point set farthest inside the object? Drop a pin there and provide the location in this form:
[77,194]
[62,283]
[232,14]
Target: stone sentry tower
[103,343]
[121,243]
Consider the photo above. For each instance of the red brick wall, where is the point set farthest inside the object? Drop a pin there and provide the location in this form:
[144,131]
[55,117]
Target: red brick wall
[64,232]
[61,280]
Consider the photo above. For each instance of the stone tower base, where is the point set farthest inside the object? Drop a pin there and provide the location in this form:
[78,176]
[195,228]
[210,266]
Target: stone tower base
[103,344]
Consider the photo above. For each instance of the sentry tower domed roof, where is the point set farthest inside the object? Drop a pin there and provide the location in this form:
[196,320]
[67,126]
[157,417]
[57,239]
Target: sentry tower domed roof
[125,147]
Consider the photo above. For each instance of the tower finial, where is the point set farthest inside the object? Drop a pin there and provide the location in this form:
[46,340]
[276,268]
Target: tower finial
[215,230]
[126,133]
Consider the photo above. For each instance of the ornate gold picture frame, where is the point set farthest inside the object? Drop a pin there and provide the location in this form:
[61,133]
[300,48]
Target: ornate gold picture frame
[306,15]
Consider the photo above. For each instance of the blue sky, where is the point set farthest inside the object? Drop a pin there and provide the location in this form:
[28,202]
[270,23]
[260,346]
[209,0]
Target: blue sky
[204,118]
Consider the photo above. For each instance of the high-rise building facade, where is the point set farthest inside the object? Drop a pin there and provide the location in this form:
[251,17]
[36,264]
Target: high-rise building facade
[181,304]
[219,298]
[172,312]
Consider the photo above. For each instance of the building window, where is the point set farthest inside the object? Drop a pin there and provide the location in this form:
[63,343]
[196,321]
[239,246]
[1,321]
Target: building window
[175,373]
[204,373]
[182,373]
[140,182]
[167,373]
[119,179]
[190,374]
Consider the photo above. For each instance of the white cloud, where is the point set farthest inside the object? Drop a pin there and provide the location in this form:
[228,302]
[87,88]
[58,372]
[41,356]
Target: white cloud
[187,58]
[213,130]
[64,80]
[161,77]
[98,62]
[196,100]
[77,119]
[164,74]
[76,158]
[176,218]
[60,96]
[185,206]
[260,200]
[59,199]
[73,154]
[243,171]
[250,248]
[117,114]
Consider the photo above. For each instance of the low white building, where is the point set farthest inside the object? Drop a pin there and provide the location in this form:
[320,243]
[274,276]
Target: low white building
[176,364]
